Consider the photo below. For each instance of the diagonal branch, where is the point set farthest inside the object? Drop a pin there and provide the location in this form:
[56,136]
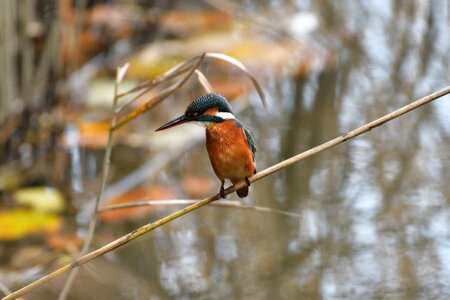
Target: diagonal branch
[221,203]
[266,172]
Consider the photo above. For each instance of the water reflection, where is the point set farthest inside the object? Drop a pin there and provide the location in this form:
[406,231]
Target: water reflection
[375,211]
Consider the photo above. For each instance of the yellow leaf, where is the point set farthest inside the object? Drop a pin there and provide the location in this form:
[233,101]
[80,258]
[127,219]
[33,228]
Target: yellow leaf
[19,223]
[40,198]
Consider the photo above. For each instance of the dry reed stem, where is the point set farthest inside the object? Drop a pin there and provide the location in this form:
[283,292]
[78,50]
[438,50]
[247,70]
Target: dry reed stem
[204,81]
[120,73]
[221,203]
[157,98]
[266,172]
[148,85]
[170,74]
[179,69]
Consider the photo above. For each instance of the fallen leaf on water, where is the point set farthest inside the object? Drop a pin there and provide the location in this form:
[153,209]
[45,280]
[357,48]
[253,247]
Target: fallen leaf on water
[190,22]
[89,134]
[93,134]
[19,223]
[138,194]
[40,198]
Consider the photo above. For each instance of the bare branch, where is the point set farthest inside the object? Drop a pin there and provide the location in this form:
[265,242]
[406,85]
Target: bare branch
[120,73]
[150,84]
[185,67]
[204,81]
[158,98]
[222,203]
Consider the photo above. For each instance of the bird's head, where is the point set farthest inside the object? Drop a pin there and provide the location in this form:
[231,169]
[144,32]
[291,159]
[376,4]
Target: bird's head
[209,108]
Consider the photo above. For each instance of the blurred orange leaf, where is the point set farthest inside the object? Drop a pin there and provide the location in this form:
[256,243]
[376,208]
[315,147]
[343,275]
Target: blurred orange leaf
[189,22]
[89,134]
[19,223]
[93,134]
[138,194]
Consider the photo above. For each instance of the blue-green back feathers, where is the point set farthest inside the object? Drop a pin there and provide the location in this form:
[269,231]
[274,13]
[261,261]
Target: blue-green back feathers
[248,136]
[250,141]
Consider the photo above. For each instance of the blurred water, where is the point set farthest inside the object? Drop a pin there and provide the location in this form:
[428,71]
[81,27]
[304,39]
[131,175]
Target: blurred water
[375,211]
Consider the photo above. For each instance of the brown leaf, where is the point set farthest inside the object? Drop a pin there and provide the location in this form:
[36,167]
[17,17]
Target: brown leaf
[88,134]
[137,194]
[188,22]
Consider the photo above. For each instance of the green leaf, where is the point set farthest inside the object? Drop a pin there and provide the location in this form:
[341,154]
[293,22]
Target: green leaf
[40,198]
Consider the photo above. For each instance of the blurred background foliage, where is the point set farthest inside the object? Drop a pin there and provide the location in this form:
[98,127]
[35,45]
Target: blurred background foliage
[375,214]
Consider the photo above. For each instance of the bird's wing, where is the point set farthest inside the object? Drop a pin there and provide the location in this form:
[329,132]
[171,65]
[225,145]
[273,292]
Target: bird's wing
[250,141]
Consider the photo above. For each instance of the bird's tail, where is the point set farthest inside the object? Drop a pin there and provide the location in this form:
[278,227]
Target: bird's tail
[243,192]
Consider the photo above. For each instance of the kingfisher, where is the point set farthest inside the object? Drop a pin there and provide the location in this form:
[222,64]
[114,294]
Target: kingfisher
[230,145]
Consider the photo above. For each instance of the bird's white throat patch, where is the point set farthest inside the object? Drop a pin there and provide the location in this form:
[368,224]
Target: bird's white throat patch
[222,115]
[225,115]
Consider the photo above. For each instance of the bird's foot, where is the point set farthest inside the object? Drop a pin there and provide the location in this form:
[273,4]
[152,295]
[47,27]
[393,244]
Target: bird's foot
[222,191]
[247,181]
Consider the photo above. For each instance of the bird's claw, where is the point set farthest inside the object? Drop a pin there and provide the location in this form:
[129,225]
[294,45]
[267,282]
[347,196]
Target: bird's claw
[222,191]
[247,181]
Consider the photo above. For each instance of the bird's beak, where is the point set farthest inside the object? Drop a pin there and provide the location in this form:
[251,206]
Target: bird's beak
[175,122]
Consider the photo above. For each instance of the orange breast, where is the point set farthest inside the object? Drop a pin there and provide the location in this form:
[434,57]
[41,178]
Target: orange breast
[229,152]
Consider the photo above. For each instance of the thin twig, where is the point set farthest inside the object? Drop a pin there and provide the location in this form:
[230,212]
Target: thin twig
[4,289]
[222,203]
[275,168]
[175,72]
[204,81]
[105,170]
[148,85]
[170,74]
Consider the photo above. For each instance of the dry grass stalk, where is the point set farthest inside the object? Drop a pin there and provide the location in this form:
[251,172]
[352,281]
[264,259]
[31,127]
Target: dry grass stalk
[221,203]
[120,73]
[190,66]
